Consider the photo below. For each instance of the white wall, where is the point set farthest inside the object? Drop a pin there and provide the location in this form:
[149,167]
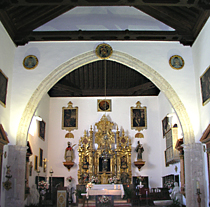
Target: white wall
[88,115]
[164,109]
[35,141]
[52,55]
[7,51]
[201,51]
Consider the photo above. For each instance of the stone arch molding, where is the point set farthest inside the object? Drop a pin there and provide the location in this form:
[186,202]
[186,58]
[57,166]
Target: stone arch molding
[119,57]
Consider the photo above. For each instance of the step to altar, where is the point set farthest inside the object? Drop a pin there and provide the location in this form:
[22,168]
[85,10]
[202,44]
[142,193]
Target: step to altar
[117,203]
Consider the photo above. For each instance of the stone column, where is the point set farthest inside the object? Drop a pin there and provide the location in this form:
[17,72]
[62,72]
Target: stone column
[194,171]
[182,174]
[16,159]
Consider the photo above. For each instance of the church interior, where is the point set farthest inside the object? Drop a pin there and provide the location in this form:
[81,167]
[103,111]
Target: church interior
[107,101]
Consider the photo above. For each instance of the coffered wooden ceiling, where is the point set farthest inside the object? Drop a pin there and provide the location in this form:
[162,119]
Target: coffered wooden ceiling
[22,17]
[103,78]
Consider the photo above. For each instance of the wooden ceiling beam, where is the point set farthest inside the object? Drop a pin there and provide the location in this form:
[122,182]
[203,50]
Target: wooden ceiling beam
[126,35]
[178,3]
[169,16]
[42,16]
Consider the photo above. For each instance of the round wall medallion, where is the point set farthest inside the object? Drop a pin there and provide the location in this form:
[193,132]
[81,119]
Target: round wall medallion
[30,62]
[104,51]
[176,62]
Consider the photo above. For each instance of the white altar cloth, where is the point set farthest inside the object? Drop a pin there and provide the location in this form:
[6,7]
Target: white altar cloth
[106,189]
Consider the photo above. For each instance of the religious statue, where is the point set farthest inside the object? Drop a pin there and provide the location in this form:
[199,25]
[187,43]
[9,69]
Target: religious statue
[33,197]
[175,194]
[85,163]
[69,153]
[139,149]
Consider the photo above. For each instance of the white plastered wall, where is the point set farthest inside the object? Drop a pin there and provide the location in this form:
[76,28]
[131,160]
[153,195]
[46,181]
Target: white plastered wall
[51,55]
[200,51]
[7,50]
[36,142]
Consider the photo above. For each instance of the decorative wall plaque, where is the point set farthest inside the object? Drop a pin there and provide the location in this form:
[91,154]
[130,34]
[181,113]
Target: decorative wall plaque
[176,62]
[104,51]
[30,62]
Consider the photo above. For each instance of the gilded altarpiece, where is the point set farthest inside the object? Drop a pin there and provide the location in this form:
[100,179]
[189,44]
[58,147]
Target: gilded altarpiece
[104,153]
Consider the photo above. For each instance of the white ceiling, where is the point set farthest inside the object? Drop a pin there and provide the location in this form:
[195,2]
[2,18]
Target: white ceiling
[104,18]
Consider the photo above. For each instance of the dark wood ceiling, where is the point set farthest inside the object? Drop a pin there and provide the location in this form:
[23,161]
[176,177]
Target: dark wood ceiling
[102,78]
[21,17]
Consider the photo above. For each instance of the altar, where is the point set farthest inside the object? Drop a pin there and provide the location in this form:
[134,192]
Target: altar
[104,154]
[104,191]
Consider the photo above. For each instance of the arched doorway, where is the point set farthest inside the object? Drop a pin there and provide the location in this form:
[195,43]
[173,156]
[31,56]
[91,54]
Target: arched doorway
[127,60]
[119,57]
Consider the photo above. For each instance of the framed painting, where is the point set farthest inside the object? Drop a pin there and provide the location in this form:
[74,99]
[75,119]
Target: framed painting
[165,125]
[42,125]
[138,117]
[3,137]
[40,157]
[69,117]
[104,105]
[30,62]
[35,162]
[205,86]
[3,88]
[176,62]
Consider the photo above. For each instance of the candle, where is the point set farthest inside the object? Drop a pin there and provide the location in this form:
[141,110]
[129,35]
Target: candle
[198,185]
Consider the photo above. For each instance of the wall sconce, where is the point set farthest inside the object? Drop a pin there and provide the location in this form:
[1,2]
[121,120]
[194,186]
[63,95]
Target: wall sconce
[7,184]
[198,193]
[45,164]
[38,118]
[170,114]
[51,171]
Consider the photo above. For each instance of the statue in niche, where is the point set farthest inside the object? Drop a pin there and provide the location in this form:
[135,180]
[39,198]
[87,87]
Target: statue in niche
[104,165]
[139,149]
[85,163]
[123,162]
[69,153]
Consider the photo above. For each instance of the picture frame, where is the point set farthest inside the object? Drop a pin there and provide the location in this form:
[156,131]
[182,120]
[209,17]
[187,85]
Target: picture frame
[30,62]
[3,136]
[69,117]
[138,117]
[42,126]
[35,162]
[104,105]
[165,125]
[176,62]
[3,87]
[205,86]
[40,157]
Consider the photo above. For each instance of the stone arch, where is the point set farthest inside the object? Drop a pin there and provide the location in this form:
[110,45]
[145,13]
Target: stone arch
[119,57]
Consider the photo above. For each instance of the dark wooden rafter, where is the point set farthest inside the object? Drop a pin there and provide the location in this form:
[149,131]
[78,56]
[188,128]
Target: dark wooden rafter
[127,35]
[89,80]
[21,17]
[177,3]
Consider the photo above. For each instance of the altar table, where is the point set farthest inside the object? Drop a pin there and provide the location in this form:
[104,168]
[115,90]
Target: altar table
[106,190]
